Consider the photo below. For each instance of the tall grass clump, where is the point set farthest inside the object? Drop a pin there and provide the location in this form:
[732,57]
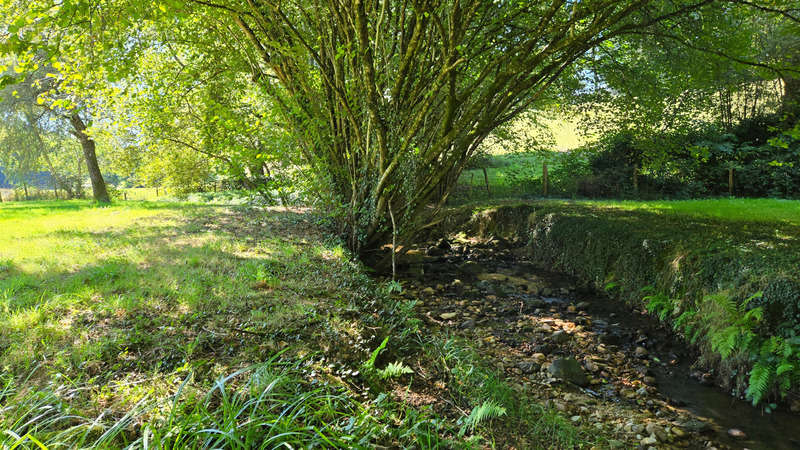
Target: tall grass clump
[269,405]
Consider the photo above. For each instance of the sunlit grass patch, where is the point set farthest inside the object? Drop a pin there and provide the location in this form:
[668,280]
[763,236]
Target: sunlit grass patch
[163,321]
[761,210]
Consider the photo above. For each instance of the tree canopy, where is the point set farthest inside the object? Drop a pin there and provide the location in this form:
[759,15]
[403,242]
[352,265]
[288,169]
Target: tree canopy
[375,106]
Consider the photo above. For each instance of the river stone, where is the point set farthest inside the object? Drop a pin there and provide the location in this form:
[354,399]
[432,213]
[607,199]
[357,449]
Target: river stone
[468,324]
[434,251]
[568,369]
[657,430]
[560,337]
[737,433]
[529,366]
[471,267]
[695,425]
[448,316]
[412,257]
[428,291]
[650,440]
[610,338]
[640,352]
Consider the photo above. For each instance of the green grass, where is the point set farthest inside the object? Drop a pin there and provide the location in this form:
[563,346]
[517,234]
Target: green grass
[761,210]
[193,325]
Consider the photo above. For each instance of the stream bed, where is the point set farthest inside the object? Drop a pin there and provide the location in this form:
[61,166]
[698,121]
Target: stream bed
[626,373]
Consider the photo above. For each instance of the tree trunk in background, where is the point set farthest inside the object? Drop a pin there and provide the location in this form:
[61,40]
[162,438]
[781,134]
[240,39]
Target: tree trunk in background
[545,179]
[790,104]
[730,181]
[98,184]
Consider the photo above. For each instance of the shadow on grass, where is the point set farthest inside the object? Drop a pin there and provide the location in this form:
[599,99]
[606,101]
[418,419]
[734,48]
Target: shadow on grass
[185,297]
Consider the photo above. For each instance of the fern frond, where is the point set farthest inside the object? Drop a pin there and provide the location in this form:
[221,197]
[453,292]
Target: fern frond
[760,377]
[724,302]
[724,341]
[487,411]
[783,368]
[394,370]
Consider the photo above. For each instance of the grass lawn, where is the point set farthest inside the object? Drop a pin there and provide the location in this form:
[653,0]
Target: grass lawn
[190,325]
[760,210]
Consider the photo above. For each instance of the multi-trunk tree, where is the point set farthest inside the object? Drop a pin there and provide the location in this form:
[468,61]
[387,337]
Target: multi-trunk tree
[389,99]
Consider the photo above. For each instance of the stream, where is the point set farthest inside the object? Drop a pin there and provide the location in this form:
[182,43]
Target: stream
[639,383]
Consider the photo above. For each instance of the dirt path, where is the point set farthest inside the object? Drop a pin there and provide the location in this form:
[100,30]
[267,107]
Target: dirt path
[592,359]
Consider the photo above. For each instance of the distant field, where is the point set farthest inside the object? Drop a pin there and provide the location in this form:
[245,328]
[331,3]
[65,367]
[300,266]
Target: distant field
[147,193]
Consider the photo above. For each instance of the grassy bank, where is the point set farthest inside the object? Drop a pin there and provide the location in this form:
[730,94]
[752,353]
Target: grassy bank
[189,325]
[723,273]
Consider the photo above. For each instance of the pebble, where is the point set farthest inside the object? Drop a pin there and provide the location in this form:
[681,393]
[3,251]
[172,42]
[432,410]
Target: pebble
[650,440]
[640,352]
[529,366]
[428,291]
[657,430]
[448,316]
[560,337]
[568,369]
[737,433]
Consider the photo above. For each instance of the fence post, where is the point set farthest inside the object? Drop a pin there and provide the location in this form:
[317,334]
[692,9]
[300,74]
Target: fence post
[636,178]
[156,191]
[486,180]
[545,180]
[125,195]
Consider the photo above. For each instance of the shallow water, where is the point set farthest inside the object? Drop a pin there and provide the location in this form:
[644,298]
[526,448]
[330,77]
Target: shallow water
[779,430]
